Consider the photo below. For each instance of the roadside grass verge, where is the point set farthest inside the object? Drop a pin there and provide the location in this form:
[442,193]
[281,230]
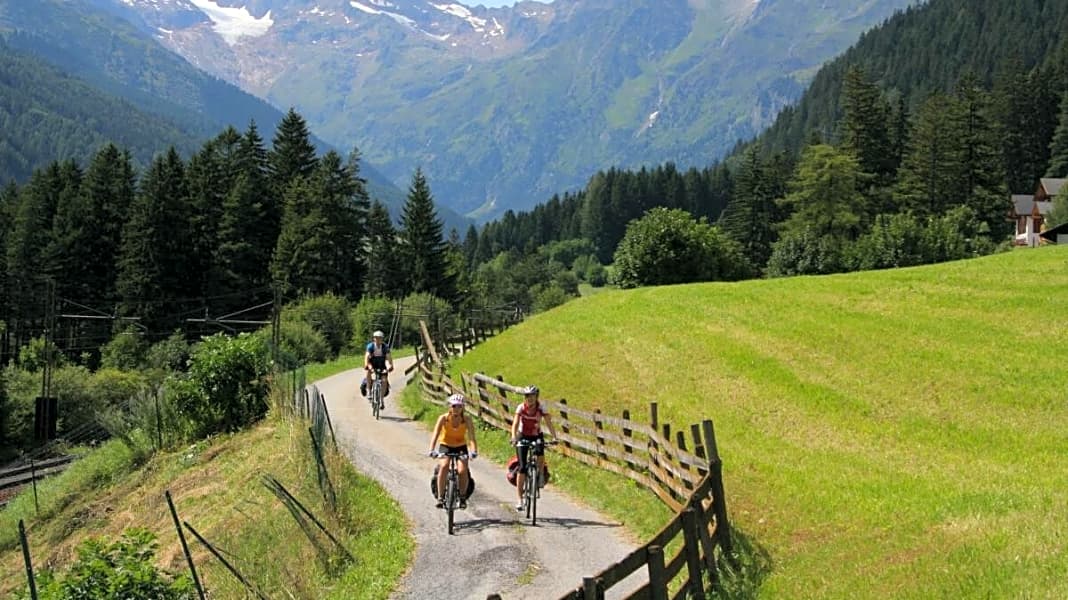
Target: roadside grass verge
[895,433]
[217,488]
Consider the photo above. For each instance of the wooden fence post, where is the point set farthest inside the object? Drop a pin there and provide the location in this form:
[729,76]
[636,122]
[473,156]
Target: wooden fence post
[654,424]
[719,503]
[628,448]
[563,422]
[591,589]
[599,424]
[680,441]
[25,542]
[506,409]
[703,535]
[698,447]
[693,553]
[657,574]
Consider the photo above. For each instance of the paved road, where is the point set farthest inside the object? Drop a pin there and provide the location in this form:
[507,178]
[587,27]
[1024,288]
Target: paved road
[494,549]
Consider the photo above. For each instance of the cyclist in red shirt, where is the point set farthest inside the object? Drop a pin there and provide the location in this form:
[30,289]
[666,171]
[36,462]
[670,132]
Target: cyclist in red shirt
[527,426]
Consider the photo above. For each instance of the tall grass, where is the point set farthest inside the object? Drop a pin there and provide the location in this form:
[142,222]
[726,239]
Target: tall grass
[885,434]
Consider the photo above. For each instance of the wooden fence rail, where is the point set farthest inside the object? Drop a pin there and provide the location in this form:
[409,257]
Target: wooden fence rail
[688,481]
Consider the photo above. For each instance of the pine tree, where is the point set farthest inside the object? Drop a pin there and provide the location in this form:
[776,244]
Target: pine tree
[292,156]
[470,246]
[31,243]
[864,125]
[210,177]
[982,176]
[320,248]
[751,213]
[824,197]
[153,279]
[928,176]
[422,243]
[384,277]
[1058,148]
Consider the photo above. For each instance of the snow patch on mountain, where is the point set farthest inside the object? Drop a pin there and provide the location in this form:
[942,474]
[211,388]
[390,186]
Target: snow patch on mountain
[233,24]
[477,23]
[403,20]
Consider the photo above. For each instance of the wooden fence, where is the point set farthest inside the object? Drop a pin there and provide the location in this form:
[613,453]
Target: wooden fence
[684,470]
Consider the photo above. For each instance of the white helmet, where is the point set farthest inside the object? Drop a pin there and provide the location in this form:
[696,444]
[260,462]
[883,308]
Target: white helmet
[456,400]
[378,333]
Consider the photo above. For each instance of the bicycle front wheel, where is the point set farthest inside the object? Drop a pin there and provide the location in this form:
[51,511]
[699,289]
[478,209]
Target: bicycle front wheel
[376,399]
[533,479]
[450,500]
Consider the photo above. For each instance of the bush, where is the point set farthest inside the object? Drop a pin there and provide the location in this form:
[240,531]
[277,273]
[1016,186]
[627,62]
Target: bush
[111,387]
[170,354]
[668,246]
[126,351]
[372,312]
[894,241]
[34,355]
[549,297]
[122,569]
[329,315]
[804,252]
[226,387]
[299,342]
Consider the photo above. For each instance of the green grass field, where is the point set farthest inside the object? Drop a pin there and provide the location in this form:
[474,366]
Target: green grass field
[217,487]
[896,433]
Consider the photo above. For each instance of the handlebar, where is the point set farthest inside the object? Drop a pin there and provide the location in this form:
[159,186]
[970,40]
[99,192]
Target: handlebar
[460,455]
[519,443]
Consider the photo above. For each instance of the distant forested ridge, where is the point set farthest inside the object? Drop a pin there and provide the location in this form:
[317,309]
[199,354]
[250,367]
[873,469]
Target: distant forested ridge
[933,118]
[47,115]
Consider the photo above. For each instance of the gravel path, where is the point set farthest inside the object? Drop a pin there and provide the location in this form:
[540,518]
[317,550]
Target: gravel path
[494,549]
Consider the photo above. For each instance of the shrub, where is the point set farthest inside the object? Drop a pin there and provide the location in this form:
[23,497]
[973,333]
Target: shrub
[668,246]
[110,387]
[170,354]
[299,342]
[126,351]
[121,569]
[805,252]
[329,315]
[372,312]
[34,355]
[226,387]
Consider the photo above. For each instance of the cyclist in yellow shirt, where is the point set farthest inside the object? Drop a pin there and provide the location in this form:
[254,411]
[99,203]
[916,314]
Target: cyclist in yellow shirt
[454,432]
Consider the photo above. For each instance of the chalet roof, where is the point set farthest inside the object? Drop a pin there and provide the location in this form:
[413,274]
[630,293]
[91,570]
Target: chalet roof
[1052,185]
[1021,204]
[1052,233]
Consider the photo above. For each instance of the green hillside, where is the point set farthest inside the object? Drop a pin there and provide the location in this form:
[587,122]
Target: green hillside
[896,433]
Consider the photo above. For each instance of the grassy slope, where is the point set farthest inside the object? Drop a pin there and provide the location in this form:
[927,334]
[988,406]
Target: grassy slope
[216,487]
[884,434]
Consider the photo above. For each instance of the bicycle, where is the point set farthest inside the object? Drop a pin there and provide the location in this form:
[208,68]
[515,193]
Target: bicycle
[451,498]
[376,391]
[532,481]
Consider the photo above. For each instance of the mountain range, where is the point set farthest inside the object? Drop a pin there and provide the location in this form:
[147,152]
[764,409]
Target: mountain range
[503,107]
[90,57]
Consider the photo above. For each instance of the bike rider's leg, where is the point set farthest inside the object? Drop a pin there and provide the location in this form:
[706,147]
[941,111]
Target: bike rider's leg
[366,381]
[443,470]
[461,470]
[520,477]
